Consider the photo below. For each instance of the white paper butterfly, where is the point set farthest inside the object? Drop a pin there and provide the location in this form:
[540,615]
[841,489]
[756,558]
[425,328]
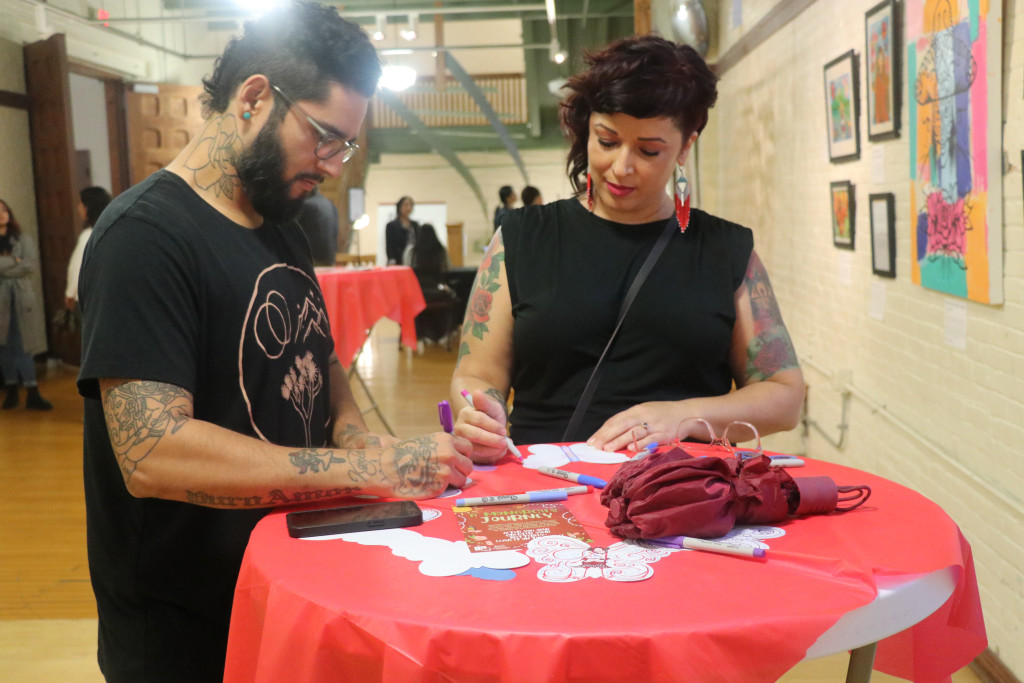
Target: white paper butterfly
[550,455]
[567,559]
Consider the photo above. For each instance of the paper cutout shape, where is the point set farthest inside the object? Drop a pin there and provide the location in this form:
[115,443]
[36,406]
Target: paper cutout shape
[568,559]
[749,536]
[437,557]
[550,455]
[489,528]
[430,514]
[490,574]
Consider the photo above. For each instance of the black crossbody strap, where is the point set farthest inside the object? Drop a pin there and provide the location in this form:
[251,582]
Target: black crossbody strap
[595,376]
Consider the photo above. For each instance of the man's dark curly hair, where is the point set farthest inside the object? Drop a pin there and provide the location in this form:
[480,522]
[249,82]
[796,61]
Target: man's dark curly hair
[641,76]
[301,47]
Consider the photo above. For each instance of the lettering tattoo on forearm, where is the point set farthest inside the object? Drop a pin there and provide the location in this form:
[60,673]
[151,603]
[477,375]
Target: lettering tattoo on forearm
[139,414]
[417,463]
[770,350]
[273,498]
[362,468]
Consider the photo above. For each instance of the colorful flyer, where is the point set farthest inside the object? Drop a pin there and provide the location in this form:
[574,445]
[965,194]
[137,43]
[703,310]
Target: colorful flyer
[511,527]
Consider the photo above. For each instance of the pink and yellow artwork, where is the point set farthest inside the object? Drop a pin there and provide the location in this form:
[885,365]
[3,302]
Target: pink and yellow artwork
[953,58]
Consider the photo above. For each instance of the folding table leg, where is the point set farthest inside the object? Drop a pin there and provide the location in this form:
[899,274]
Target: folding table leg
[353,370]
[862,659]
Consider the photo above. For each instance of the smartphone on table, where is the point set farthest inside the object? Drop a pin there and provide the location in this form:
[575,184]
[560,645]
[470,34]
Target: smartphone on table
[341,520]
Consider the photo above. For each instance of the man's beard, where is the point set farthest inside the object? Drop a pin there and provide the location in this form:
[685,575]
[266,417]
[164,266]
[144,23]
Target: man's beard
[260,170]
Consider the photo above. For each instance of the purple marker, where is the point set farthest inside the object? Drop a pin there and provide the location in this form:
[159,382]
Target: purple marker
[444,414]
[691,543]
[510,498]
[584,479]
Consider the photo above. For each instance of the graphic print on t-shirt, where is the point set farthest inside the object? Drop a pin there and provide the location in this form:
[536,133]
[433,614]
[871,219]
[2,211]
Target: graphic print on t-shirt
[285,345]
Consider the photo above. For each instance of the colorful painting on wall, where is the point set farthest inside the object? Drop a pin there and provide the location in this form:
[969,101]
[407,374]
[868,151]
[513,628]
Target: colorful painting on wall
[954,59]
[842,107]
[843,214]
[881,38]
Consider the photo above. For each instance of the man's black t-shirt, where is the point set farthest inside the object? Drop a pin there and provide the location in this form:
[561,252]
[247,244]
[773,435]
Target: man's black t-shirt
[174,292]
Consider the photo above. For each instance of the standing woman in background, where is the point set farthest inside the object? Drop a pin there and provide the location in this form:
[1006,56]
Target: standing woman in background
[92,201]
[401,232]
[21,314]
[548,294]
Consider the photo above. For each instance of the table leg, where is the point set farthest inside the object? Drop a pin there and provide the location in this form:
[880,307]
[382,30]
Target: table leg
[862,659]
[374,407]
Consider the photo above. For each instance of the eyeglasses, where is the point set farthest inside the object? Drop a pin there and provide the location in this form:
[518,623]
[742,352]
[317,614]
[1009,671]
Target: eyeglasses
[330,145]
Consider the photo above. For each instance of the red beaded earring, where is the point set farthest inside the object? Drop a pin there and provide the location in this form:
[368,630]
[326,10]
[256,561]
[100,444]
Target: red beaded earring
[682,199]
[590,195]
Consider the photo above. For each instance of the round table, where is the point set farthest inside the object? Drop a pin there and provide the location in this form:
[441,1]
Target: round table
[320,610]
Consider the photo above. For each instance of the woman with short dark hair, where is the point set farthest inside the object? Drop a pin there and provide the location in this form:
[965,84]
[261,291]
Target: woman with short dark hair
[546,306]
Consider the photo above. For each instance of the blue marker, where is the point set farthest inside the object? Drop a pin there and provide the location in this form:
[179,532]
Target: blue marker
[510,498]
[444,413]
[646,450]
[584,479]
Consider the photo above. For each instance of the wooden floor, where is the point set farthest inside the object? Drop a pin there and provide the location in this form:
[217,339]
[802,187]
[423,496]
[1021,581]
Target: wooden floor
[47,613]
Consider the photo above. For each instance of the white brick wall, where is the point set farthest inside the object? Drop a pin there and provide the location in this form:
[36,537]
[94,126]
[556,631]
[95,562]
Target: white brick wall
[764,163]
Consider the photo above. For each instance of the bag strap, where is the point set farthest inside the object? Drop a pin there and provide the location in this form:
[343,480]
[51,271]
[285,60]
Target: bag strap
[595,377]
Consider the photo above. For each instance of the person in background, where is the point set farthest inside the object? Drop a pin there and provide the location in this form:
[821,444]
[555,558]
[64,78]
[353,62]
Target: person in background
[212,391]
[428,256]
[400,233]
[548,293]
[92,201]
[531,196]
[318,219]
[21,314]
[429,261]
[508,199]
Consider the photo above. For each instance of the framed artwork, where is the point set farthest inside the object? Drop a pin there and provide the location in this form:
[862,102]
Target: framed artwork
[842,108]
[882,70]
[883,233]
[953,55]
[843,214]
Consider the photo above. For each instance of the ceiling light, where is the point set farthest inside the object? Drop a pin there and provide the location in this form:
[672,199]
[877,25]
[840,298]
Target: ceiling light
[409,32]
[397,78]
[378,29]
[555,52]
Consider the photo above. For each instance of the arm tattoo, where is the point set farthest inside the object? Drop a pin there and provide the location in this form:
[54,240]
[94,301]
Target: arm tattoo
[479,310]
[417,464]
[345,437]
[212,159]
[139,414]
[351,436]
[771,350]
[500,398]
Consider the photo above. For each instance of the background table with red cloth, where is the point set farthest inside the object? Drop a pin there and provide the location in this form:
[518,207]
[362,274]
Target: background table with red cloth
[309,610]
[357,298]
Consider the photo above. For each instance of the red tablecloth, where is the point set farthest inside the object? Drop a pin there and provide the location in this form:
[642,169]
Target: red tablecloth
[335,610]
[356,299]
